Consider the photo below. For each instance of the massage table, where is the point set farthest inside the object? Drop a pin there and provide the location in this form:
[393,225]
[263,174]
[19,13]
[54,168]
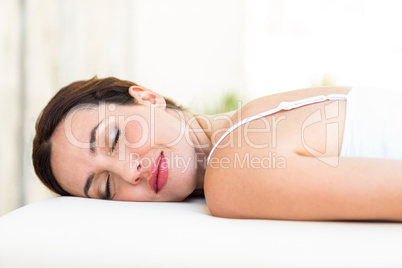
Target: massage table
[78,232]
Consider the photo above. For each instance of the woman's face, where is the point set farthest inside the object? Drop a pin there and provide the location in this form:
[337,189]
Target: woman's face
[138,152]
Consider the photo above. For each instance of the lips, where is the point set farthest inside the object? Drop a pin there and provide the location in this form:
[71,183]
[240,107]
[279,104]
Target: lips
[159,172]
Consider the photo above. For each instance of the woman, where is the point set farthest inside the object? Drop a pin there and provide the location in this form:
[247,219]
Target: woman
[313,154]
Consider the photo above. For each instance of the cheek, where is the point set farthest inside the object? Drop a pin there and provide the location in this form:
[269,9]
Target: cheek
[171,132]
[136,133]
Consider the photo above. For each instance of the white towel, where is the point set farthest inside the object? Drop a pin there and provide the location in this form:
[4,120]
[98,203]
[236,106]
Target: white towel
[373,126]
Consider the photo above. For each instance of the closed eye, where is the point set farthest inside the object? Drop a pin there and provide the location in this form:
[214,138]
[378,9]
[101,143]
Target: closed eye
[108,188]
[106,193]
[116,140]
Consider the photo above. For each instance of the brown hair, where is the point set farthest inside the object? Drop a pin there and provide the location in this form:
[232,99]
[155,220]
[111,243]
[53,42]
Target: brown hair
[93,91]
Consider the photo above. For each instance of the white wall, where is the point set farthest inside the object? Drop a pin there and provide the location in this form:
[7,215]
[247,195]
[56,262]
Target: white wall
[294,44]
[10,106]
[189,50]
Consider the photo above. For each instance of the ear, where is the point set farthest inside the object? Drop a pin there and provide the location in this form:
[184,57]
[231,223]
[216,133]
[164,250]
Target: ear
[142,94]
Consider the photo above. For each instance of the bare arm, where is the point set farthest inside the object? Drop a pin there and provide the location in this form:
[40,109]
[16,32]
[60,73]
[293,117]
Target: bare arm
[309,189]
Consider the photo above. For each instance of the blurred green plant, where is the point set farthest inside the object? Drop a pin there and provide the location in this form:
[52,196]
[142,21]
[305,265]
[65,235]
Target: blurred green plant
[228,102]
[326,80]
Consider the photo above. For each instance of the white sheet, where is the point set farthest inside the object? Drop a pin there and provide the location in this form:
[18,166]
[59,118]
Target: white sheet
[77,232]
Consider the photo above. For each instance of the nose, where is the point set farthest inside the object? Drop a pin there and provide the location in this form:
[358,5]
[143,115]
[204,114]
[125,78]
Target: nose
[129,171]
[137,168]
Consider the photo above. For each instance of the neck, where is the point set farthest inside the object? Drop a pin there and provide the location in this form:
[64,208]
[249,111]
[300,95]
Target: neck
[201,129]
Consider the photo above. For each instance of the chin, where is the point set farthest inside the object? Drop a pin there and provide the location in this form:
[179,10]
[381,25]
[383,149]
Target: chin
[180,198]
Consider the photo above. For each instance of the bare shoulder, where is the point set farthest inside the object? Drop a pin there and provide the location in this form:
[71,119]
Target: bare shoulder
[233,175]
[248,178]
[272,101]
